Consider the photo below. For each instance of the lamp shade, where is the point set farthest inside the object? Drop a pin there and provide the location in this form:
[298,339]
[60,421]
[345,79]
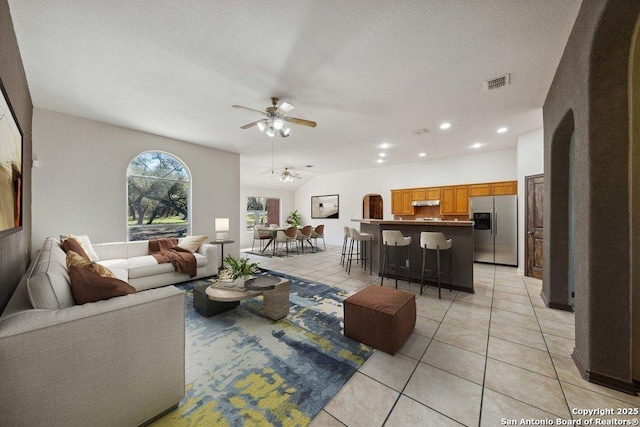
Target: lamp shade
[222,224]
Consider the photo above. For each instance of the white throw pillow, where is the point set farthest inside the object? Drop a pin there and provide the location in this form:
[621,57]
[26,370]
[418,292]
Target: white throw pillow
[86,245]
[192,243]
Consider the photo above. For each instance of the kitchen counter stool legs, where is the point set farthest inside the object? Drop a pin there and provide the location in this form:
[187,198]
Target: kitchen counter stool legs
[345,246]
[394,238]
[437,242]
[359,239]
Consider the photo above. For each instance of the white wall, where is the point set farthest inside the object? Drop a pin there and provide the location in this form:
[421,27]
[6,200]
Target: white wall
[79,186]
[530,155]
[286,205]
[353,186]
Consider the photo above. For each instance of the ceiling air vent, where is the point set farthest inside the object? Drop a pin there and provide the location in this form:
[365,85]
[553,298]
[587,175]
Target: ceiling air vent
[496,83]
[420,131]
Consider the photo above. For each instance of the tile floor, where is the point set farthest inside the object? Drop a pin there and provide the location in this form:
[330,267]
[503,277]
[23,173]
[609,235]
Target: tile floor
[473,359]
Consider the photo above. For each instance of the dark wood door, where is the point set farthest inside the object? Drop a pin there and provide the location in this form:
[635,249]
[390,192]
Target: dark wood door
[375,207]
[534,190]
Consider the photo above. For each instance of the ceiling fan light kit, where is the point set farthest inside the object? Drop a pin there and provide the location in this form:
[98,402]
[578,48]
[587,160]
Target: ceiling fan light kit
[275,119]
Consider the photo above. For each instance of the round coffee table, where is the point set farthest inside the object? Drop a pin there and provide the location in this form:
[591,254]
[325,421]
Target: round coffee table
[210,300]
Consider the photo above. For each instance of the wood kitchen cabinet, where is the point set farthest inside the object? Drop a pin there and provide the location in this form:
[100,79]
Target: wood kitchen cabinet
[419,194]
[454,200]
[477,190]
[433,193]
[401,202]
[504,188]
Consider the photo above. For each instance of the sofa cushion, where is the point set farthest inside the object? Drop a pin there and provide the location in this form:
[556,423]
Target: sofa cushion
[85,243]
[142,266]
[72,244]
[48,282]
[75,260]
[192,243]
[88,286]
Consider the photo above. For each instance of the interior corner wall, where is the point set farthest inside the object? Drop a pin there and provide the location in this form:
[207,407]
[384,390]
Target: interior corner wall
[530,161]
[80,185]
[14,247]
[286,206]
[591,84]
[634,177]
[352,187]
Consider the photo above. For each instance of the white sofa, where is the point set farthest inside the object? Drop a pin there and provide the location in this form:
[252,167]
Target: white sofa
[119,361]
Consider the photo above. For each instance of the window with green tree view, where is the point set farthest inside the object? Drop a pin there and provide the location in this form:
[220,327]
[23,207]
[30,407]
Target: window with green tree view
[262,211]
[158,196]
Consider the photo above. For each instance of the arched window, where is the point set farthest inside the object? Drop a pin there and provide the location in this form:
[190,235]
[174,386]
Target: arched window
[158,197]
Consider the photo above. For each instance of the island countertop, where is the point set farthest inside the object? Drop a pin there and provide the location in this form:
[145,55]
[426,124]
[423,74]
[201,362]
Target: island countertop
[461,233]
[414,222]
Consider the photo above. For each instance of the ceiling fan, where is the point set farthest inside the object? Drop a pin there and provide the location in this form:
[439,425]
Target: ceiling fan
[275,119]
[287,175]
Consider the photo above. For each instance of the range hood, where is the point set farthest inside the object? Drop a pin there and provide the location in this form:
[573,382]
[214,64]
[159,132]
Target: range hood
[425,203]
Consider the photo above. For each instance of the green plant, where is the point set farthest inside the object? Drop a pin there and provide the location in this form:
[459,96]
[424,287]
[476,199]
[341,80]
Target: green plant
[239,267]
[294,218]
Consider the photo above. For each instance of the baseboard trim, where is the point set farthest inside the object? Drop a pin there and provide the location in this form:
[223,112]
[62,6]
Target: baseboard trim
[604,380]
[160,415]
[555,305]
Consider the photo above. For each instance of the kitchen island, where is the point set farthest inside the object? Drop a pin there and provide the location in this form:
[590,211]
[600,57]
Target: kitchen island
[460,232]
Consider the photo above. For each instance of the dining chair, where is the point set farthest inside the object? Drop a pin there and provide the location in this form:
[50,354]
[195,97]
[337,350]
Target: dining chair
[260,234]
[318,233]
[287,236]
[304,235]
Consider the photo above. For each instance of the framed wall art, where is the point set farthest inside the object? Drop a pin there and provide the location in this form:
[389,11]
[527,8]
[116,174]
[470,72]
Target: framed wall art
[327,206]
[10,168]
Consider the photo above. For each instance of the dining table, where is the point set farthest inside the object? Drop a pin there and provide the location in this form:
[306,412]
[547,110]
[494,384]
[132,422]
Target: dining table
[274,233]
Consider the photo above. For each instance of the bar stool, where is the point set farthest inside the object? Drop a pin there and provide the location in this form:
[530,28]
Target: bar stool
[396,239]
[345,243]
[435,242]
[361,254]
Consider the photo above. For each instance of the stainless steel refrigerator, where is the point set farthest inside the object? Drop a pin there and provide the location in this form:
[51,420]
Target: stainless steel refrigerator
[495,229]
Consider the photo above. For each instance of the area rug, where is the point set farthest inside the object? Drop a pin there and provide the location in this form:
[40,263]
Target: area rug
[243,369]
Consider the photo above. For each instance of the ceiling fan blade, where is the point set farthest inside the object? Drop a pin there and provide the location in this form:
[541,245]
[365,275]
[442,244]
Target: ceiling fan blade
[302,122]
[284,108]
[250,109]
[250,125]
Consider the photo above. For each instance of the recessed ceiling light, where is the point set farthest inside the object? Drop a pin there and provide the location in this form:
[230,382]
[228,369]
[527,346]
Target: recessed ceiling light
[384,145]
[477,145]
[502,130]
[382,154]
[445,125]
[422,154]
[379,161]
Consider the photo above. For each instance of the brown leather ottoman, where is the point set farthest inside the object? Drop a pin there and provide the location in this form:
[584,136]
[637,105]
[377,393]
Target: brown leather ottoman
[380,317]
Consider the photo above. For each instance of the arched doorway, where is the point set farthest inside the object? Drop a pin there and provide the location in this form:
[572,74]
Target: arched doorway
[372,206]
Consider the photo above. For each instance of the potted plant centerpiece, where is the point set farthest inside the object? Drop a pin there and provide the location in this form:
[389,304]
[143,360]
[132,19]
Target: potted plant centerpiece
[294,219]
[238,270]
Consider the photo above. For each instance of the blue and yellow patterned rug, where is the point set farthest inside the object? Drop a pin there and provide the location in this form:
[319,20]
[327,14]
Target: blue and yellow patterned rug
[245,369]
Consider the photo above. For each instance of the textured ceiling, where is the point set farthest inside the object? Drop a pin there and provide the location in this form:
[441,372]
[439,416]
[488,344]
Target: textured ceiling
[367,71]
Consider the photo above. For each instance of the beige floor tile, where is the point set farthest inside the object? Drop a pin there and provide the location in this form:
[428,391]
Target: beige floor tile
[483,292]
[478,323]
[433,291]
[408,412]
[426,327]
[324,419]
[463,338]
[392,371]
[559,345]
[354,407]
[504,296]
[551,327]
[568,373]
[581,398]
[432,308]
[555,315]
[531,388]
[446,393]
[522,356]
[537,301]
[474,299]
[455,360]
[515,290]
[415,346]
[516,319]
[497,407]
[517,334]
[514,307]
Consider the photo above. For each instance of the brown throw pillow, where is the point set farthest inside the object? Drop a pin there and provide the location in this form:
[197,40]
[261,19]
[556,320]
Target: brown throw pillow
[71,244]
[88,286]
[76,260]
